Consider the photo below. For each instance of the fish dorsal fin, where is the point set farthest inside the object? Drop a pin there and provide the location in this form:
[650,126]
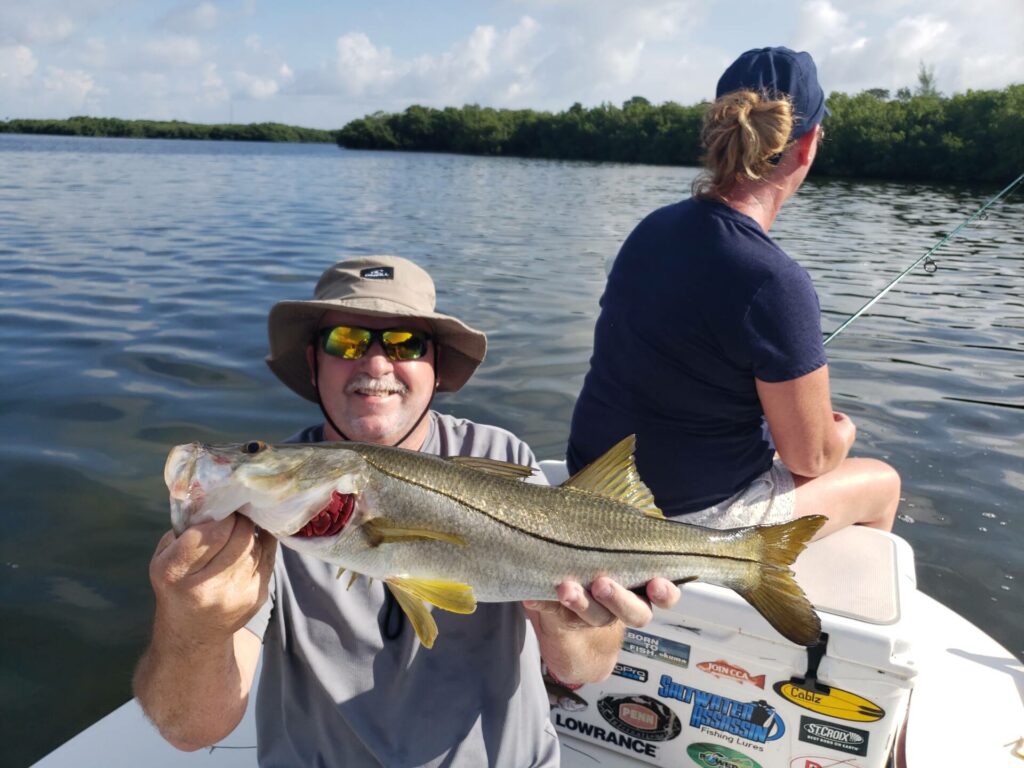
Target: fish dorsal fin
[449,595]
[614,476]
[493,467]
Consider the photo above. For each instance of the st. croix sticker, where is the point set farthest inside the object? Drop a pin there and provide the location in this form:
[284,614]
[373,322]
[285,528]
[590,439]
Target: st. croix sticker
[717,756]
[834,702]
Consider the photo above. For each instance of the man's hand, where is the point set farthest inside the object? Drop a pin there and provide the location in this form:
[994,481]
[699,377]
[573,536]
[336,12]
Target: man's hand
[580,633]
[604,603]
[211,580]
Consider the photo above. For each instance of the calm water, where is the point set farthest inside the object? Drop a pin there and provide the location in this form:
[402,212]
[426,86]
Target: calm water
[136,276]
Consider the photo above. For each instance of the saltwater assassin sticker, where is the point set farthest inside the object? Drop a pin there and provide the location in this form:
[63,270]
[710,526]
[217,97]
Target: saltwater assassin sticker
[834,702]
[717,756]
[654,647]
[642,717]
[755,721]
[842,738]
[722,668]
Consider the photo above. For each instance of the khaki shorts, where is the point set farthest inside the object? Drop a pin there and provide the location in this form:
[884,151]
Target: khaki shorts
[769,499]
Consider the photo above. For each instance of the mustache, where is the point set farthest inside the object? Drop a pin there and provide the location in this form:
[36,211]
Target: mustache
[383,385]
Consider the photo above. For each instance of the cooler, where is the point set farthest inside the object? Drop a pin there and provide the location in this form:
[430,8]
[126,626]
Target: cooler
[712,684]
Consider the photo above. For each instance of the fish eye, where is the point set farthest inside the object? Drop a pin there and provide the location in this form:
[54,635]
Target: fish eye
[254,446]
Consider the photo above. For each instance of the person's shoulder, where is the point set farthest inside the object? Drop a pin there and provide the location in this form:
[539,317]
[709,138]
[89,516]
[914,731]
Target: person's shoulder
[470,431]
[462,437]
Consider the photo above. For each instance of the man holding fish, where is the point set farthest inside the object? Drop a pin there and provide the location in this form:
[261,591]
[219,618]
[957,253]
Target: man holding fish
[344,680]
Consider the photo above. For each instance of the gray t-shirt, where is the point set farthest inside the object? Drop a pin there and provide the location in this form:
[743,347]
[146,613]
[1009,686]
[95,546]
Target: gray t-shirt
[335,691]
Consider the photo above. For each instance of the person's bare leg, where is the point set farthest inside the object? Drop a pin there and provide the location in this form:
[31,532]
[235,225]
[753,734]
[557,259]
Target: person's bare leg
[857,492]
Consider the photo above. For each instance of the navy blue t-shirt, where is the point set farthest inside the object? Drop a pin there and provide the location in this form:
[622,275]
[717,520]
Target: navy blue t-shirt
[699,302]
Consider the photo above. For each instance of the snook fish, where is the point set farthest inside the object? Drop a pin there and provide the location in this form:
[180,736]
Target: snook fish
[454,531]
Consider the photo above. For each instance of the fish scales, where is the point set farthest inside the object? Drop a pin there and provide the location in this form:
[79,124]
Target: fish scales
[454,531]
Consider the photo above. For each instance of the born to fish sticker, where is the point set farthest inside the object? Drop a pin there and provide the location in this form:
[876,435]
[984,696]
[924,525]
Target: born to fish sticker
[842,738]
[755,721]
[641,717]
[834,702]
[717,756]
[654,647]
[722,668]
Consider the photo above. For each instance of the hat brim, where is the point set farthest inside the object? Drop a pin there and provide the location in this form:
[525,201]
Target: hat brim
[292,325]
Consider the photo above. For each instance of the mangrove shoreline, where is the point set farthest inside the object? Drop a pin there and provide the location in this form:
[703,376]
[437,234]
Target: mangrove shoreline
[975,136]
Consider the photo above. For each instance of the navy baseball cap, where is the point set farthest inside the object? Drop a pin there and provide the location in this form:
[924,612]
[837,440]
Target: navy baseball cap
[780,71]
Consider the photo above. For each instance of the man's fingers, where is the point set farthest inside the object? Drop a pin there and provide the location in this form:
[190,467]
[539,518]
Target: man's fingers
[632,610]
[574,598]
[195,548]
[663,593]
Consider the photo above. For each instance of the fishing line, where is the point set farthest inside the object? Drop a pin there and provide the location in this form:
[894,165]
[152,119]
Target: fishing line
[929,264]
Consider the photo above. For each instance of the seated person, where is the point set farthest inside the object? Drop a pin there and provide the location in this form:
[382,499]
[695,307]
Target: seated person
[707,328]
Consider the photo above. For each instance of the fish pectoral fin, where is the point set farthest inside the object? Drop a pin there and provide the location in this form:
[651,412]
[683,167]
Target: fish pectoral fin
[422,622]
[493,467]
[449,595]
[614,476]
[380,530]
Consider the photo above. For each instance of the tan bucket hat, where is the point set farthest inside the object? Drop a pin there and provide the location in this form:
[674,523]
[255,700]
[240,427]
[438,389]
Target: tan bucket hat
[375,286]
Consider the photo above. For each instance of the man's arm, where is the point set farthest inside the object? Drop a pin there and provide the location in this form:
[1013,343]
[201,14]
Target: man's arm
[581,633]
[193,680]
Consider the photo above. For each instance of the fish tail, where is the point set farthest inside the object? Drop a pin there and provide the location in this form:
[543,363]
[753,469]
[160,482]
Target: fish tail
[777,596]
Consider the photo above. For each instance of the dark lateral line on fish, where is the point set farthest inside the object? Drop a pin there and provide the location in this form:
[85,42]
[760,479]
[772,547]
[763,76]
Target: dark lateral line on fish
[539,537]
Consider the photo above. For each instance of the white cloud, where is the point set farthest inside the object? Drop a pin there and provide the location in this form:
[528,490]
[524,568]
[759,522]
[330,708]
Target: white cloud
[173,51]
[255,87]
[191,19]
[17,65]
[71,87]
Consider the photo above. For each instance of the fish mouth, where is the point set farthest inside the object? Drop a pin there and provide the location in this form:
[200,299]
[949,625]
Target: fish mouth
[330,520]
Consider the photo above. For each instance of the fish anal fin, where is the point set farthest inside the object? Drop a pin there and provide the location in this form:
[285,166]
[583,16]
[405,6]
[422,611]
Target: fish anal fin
[614,476]
[422,622]
[777,596]
[449,595]
[493,467]
[380,530]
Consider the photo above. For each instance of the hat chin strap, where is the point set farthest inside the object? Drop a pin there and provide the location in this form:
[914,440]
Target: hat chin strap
[327,416]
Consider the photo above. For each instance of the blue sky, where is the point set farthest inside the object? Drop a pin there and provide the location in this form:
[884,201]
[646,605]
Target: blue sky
[320,64]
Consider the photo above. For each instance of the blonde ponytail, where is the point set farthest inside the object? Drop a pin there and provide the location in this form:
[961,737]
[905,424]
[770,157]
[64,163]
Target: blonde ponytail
[744,132]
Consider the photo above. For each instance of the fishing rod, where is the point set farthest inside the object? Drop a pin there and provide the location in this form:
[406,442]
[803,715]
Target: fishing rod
[929,264]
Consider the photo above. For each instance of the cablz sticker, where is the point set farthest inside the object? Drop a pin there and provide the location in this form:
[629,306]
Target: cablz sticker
[639,746]
[630,673]
[654,647]
[755,721]
[640,716]
[717,756]
[843,738]
[834,702]
[722,668]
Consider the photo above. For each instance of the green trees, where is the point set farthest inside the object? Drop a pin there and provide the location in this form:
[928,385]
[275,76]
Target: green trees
[970,136]
[173,129]
[918,135]
[638,132]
